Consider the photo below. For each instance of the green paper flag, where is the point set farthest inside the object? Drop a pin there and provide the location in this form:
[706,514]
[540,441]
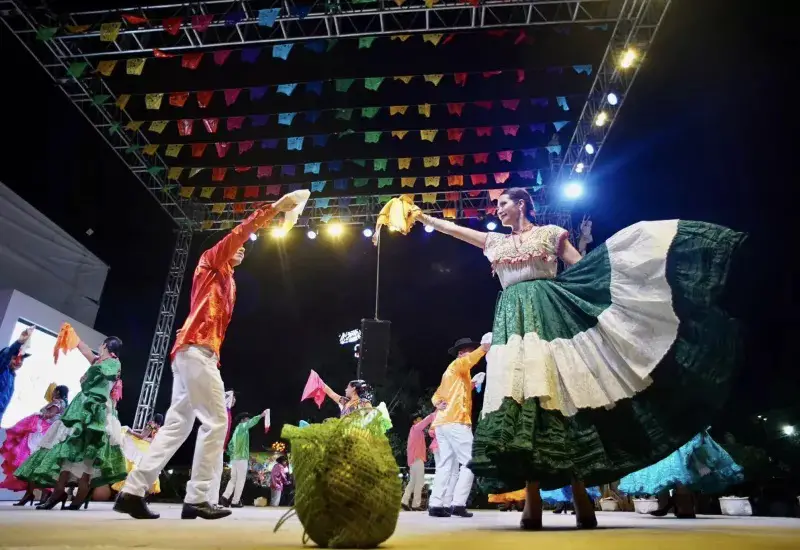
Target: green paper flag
[360,182]
[365,42]
[331,43]
[46,33]
[373,83]
[370,112]
[372,137]
[343,84]
[362,200]
[114,128]
[345,133]
[361,162]
[379,165]
[76,69]
[384,182]
[155,170]
[133,148]
[383,199]
[100,99]
[344,114]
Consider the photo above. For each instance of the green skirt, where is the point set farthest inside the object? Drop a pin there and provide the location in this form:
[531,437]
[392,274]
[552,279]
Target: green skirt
[86,439]
[612,365]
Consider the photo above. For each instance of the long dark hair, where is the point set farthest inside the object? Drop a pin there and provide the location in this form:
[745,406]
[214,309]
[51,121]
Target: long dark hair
[240,418]
[362,389]
[113,345]
[519,194]
[63,393]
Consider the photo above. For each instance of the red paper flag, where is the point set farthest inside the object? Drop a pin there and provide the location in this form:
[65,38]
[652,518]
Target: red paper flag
[455,134]
[492,210]
[460,78]
[498,33]
[510,130]
[264,172]
[510,104]
[220,56]
[235,123]
[455,181]
[251,191]
[204,98]
[172,25]
[484,131]
[178,99]
[474,193]
[198,149]
[242,169]
[455,108]
[456,160]
[245,146]
[470,213]
[500,177]
[520,75]
[239,207]
[231,95]
[273,189]
[523,37]
[162,54]
[484,104]
[505,155]
[191,60]
[489,74]
[480,158]
[185,126]
[218,174]
[478,179]
[134,19]
[201,22]
[315,389]
[222,148]
[451,196]
[229,192]
[448,39]
[211,125]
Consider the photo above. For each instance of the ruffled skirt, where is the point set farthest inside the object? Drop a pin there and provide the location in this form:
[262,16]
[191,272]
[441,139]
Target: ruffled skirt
[22,439]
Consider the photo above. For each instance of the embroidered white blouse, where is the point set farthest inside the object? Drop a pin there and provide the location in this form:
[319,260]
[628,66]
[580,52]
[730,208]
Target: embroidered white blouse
[531,255]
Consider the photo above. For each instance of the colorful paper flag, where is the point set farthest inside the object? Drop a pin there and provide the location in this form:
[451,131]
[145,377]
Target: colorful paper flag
[398,109]
[135,65]
[424,110]
[222,148]
[109,31]
[432,38]
[456,160]
[221,56]
[191,60]
[403,163]
[122,100]
[174,149]
[434,78]
[455,134]
[198,149]
[430,162]
[158,126]
[399,134]
[407,182]
[153,101]
[432,181]
[106,67]
[204,98]
[211,125]
[201,23]
[455,181]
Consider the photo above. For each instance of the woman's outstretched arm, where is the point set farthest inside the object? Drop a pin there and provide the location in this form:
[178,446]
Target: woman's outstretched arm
[475,238]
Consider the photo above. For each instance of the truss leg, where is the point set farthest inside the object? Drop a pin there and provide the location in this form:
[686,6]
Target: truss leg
[164,325]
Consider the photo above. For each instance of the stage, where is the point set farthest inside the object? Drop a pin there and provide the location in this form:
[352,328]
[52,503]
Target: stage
[99,527]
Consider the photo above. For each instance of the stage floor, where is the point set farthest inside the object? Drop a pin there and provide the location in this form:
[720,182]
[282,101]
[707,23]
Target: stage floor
[250,528]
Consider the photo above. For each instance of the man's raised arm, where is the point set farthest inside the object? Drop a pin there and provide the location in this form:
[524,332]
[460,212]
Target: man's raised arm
[222,252]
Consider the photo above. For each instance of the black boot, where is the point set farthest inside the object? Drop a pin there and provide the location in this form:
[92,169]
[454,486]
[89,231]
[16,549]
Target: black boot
[461,511]
[134,506]
[439,512]
[663,510]
[203,510]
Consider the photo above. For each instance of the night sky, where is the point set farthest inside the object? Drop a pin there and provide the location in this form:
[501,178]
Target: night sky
[699,138]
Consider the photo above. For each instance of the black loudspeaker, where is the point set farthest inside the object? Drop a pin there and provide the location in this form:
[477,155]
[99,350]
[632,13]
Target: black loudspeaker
[373,351]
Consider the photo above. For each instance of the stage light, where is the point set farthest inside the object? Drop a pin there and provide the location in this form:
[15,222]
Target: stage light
[612,99]
[311,234]
[579,167]
[573,190]
[428,229]
[491,226]
[601,118]
[627,59]
[278,232]
[589,148]
[788,430]
[335,229]
[367,232]
[253,236]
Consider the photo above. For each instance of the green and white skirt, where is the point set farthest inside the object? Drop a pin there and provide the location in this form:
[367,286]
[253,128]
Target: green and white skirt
[615,363]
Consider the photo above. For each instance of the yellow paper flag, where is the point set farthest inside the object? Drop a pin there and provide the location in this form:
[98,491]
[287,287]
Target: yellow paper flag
[407,182]
[399,3]
[122,101]
[432,181]
[106,67]
[134,125]
[404,79]
[429,198]
[399,134]
[150,149]
[153,101]
[432,38]
[206,192]
[434,78]
[428,135]
[158,126]
[424,109]
[218,208]
[429,162]
[449,213]
[174,173]
[206,225]
[77,29]
[401,37]
[174,149]
[109,31]
[404,163]
[186,192]
[194,171]
[398,109]
[135,65]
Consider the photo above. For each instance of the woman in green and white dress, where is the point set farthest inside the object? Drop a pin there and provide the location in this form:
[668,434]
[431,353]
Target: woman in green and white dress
[608,367]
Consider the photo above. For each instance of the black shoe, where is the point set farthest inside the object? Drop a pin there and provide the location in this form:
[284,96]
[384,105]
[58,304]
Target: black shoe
[461,511]
[664,510]
[51,502]
[27,499]
[588,523]
[224,502]
[438,512]
[529,524]
[237,505]
[405,507]
[134,506]
[203,510]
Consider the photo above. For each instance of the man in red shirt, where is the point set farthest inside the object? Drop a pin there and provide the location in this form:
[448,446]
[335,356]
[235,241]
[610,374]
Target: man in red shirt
[417,454]
[197,388]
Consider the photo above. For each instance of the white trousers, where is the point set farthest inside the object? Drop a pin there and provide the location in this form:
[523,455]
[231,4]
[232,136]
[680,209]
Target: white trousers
[447,500]
[236,482]
[455,448]
[216,484]
[275,497]
[416,480]
[197,393]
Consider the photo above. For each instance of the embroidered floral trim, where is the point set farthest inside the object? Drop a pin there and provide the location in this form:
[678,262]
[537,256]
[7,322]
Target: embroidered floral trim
[543,245]
[525,258]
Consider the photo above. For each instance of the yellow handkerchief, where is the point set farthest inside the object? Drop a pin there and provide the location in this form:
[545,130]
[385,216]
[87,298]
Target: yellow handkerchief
[399,214]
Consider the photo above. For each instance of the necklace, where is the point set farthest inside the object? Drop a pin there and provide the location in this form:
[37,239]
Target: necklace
[519,234]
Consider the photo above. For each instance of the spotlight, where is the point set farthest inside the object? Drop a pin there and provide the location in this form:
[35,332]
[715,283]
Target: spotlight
[601,118]
[627,59]
[573,190]
[278,232]
[311,234]
[253,236]
[428,229]
[788,430]
[367,232]
[589,148]
[579,167]
[491,226]
[335,229]
[612,99]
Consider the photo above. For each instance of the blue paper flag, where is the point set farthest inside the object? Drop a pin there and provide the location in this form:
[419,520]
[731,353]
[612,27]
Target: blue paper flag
[335,166]
[560,124]
[234,17]
[597,27]
[270,143]
[311,168]
[316,46]
[257,93]
[312,116]
[314,87]
[583,69]
[294,143]
[321,203]
[285,119]
[295,186]
[538,177]
[539,101]
[529,153]
[302,424]
[340,184]
[562,102]
[288,170]
[317,186]
[266,18]
[326,218]
[249,55]
[301,12]
[281,51]
[259,120]
[344,202]
[287,89]
[320,140]
[538,127]
[554,149]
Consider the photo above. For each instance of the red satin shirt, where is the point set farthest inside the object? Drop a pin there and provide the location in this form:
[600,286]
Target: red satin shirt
[213,287]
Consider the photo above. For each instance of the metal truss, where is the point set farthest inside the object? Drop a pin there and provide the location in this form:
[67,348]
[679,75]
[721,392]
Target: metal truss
[163,333]
[325,19]
[636,28]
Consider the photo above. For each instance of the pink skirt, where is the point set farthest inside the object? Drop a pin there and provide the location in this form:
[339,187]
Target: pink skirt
[22,439]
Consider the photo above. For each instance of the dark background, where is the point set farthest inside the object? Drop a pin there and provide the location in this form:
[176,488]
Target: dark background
[702,136]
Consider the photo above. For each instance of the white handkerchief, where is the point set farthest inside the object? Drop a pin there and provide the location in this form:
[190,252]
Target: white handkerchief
[301,198]
[487,338]
[266,421]
[479,378]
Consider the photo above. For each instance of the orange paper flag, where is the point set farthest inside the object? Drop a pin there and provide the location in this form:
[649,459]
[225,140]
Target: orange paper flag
[67,340]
